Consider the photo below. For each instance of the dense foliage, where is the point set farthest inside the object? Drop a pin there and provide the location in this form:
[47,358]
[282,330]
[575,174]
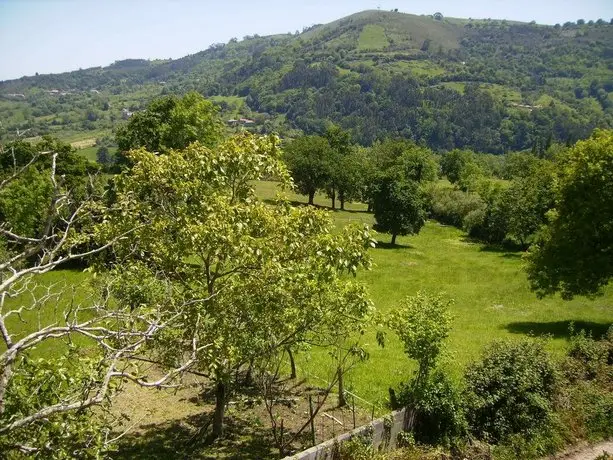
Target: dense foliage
[573,252]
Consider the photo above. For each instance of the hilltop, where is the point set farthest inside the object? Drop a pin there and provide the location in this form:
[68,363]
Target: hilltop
[484,84]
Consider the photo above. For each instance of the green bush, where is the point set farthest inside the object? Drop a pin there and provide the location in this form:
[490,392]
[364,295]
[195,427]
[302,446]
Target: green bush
[451,207]
[510,391]
[439,410]
[590,359]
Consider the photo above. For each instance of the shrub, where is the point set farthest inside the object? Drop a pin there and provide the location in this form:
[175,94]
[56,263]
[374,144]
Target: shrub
[511,390]
[439,410]
[451,207]
[590,359]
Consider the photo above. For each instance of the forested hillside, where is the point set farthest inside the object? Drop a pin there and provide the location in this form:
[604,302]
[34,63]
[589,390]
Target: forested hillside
[491,86]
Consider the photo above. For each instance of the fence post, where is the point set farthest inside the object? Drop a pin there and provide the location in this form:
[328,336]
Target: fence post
[312,421]
[353,409]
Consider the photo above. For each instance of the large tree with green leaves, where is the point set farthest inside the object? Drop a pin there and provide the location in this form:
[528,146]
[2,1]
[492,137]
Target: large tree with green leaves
[171,122]
[248,279]
[573,254]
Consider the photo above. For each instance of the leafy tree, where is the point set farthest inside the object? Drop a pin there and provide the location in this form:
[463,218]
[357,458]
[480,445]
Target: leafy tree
[340,180]
[454,163]
[422,324]
[419,164]
[528,200]
[572,255]
[27,193]
[171,123]
[46,403]
[248,279]
[399,207]
[307,158]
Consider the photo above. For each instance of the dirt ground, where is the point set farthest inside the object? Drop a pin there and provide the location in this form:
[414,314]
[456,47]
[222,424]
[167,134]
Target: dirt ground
[164,424]
[588,452]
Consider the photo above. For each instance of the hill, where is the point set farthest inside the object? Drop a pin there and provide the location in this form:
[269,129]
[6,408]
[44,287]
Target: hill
[487,85]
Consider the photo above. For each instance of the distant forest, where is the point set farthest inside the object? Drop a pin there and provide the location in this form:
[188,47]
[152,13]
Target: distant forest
[490,86]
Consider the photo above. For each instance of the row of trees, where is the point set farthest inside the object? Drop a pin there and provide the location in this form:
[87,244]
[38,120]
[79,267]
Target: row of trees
[555,200]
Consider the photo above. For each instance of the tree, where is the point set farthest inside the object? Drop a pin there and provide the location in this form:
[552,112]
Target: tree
[528,199]
[572,254]
[454,163]
[399,207]
[102,156]
[341,180]
[45,402]
[418,164]
[307,158]
[422,323]
[249,279]
[171,123]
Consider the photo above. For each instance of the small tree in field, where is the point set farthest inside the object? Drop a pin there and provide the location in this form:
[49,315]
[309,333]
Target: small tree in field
[399,207]
[422,324]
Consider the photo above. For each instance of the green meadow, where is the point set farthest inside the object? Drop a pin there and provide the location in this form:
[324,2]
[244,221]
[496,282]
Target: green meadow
[492,300]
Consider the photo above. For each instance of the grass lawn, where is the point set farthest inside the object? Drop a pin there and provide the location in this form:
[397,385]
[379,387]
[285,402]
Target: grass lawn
[491,293]
[90,152]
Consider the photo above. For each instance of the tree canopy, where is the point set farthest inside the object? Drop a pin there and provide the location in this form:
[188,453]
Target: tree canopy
[573,252]
[171,122]
[248,278]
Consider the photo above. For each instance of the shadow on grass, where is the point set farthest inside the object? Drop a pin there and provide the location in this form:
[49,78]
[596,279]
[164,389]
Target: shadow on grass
[319,206]
[388,245]
[557,329]
[507,250]
[185,439]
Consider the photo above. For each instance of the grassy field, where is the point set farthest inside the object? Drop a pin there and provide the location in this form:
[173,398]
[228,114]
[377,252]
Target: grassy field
[90,152]
[490,290]
[372,37]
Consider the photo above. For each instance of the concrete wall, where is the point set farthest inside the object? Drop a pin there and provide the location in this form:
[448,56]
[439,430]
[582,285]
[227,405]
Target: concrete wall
[383,432]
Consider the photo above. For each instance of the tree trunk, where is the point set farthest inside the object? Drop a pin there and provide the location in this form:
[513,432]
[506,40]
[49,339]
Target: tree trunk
[292,363]
[220,408]
[341,198]
[369,207]
[333,196]
[393,239]
[249,375]
[311,197]
[341,389]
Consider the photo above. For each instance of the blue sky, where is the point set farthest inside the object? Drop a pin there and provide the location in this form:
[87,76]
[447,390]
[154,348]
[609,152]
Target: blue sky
[50,36]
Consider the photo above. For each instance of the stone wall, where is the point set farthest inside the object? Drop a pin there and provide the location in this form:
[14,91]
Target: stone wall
[383,432]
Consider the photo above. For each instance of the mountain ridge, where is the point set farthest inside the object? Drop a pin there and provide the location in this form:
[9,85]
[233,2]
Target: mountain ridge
[411,71]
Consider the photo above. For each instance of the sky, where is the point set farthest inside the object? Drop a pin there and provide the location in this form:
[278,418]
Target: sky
[51,36]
